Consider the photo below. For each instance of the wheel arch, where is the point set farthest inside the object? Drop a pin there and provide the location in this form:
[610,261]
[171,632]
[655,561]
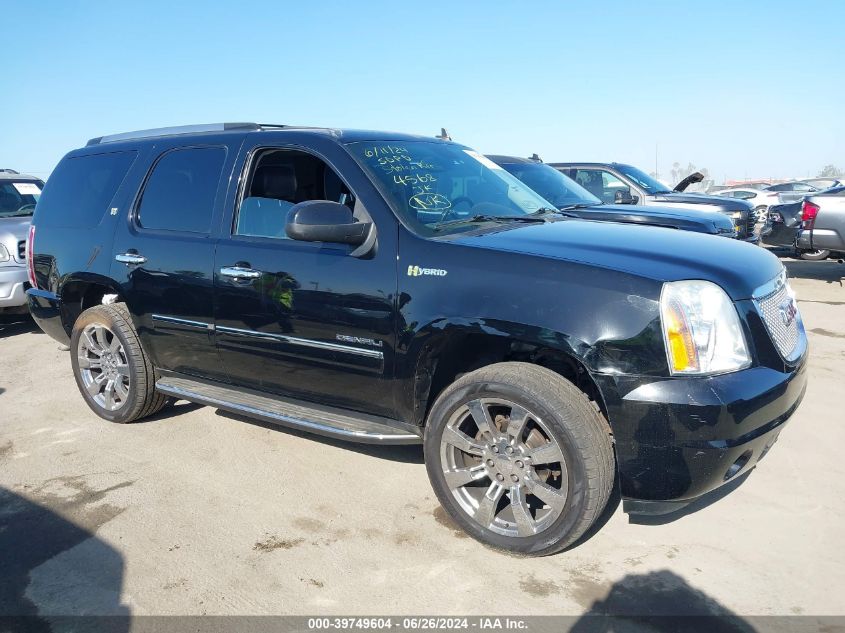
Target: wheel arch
[442,353]
[82,291]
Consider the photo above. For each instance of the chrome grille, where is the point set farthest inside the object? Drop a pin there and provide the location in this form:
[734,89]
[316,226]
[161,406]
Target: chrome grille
[779,311]
[22,250]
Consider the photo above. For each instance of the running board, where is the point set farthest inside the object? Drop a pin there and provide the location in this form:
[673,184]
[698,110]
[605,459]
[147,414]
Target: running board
[305,416]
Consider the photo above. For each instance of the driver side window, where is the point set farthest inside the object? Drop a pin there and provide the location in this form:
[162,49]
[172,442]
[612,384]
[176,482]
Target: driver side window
[278,180]
[601,184]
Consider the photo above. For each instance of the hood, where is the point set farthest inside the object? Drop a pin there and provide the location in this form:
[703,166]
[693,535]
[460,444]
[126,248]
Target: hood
[701,220]
[651,252]
[691,200]
[694,177]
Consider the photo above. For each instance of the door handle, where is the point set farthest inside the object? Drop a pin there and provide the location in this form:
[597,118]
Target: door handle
[239,272]
[131,259]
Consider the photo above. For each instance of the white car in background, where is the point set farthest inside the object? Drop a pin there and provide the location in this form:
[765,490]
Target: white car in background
[762,199]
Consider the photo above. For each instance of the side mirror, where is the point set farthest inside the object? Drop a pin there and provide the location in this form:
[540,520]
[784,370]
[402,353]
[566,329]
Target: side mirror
[324,221]
[623,196]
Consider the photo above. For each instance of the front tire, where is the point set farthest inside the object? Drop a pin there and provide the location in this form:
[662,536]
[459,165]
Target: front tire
[112,372]
[519,458]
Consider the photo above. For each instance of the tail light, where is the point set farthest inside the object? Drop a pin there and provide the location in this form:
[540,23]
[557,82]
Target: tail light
[809,211]
[30,258]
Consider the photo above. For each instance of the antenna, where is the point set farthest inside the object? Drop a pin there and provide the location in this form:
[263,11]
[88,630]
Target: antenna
[444,135]
[535,158]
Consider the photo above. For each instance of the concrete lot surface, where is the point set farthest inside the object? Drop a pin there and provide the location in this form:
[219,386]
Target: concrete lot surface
[199,512]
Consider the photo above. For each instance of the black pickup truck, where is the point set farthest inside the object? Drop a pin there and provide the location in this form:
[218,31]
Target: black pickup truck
[389,288]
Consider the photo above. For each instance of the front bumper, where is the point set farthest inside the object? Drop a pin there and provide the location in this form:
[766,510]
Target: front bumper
[46,309]
[13,285]
[678,439]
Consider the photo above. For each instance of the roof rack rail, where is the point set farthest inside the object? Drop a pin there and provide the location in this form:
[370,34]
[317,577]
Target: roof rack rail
[9,171]
[180,129]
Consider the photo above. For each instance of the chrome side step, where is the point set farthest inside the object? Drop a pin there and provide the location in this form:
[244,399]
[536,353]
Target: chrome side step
[305,416]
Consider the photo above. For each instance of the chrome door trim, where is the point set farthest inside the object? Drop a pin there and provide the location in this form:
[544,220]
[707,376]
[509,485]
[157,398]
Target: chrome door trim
[169,319]
[304,342]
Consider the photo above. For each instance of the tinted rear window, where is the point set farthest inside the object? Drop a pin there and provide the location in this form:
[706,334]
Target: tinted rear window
[79,191]
[179,195]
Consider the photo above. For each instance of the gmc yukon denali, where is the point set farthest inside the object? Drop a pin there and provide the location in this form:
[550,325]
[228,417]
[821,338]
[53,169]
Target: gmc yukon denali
[396,289]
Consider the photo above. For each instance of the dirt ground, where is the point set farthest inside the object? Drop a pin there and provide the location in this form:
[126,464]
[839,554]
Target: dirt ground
[200,512]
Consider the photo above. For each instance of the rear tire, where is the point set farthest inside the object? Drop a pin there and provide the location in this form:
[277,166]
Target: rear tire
[519,457]
[112,372]
[814,256]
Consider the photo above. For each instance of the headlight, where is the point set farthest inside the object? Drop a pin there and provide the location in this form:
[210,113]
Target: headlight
[701,329]
[4,254]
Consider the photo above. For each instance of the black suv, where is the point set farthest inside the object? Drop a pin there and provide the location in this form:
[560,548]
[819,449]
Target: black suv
[389,288]
[618,182]
[571,198]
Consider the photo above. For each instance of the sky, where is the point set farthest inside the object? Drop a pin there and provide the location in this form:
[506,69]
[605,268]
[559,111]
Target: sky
[745,89]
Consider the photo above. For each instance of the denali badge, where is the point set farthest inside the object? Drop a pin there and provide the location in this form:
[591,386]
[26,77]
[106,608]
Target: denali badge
[788,311]
[416,271]
[357,339]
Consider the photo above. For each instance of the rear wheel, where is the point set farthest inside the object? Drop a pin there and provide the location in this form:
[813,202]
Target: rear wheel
[519,458]
[814,256]
[111,369]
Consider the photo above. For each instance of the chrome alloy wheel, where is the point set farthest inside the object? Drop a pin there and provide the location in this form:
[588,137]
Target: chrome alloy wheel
[504,467]
[103,367]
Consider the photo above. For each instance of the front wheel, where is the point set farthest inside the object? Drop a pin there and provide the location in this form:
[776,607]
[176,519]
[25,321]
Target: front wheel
[113,373]
[519,458]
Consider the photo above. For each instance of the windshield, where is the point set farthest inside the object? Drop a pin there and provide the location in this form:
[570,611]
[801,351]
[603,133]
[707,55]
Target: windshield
[558,189]
[17,199]
[441,188]
[651,185]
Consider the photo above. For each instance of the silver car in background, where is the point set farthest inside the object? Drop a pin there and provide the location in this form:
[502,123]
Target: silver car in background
[18,195]
[823,224]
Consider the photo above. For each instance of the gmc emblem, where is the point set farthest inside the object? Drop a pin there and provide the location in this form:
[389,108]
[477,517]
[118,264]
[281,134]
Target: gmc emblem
[788,311]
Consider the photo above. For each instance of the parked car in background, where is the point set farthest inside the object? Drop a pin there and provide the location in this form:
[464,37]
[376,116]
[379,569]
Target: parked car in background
[625,184]
[395,289]
[760,198]
[822,230]
[749,184]
[782,224]
[572,198]
[792,191]
[823,183]
[795,186]
[18,195]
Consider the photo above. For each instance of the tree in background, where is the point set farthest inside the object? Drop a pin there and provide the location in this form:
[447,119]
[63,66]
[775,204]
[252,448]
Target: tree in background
[831,171]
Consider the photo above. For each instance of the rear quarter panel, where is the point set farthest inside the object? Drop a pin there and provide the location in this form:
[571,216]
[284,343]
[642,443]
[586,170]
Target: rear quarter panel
[65,254]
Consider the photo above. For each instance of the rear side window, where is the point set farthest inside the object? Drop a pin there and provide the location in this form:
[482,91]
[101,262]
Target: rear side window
[179,194]
[78,192]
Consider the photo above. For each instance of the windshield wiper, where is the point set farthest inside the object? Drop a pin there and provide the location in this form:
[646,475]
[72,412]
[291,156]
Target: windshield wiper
[492,218]
[580,205]
[562,211]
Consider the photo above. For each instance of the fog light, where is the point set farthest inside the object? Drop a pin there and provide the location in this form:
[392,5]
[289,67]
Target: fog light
[738,465]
